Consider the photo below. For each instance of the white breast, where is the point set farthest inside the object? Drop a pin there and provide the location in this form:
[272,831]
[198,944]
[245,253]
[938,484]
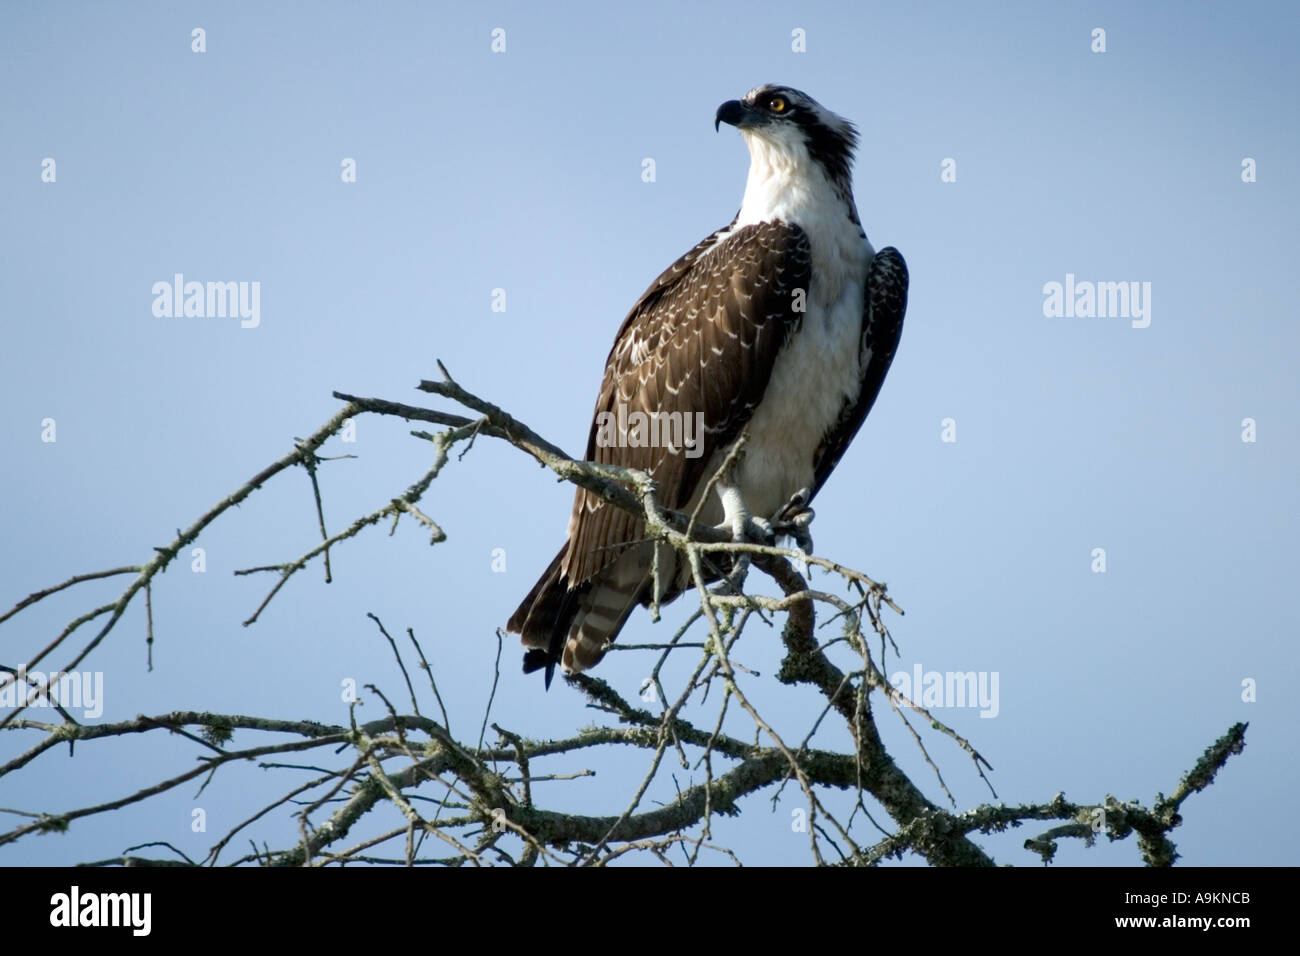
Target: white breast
[818,369]
[815,374]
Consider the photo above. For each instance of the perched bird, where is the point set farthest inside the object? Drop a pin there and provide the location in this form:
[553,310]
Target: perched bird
[782,324]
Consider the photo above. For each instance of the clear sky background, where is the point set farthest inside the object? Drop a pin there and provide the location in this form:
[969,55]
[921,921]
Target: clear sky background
[522,170]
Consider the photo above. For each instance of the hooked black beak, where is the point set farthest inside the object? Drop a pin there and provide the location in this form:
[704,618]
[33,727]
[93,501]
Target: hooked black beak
[732,112]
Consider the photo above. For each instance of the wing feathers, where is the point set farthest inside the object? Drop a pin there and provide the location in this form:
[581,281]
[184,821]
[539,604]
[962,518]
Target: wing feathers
[702,339]
[884,304]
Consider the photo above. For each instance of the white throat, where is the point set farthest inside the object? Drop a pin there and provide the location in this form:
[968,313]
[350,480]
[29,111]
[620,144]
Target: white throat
[785,183]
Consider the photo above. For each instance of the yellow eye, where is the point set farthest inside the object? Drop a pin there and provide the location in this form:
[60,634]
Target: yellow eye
[777,105]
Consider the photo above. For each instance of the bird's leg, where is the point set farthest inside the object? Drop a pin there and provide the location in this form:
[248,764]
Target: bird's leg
[745,529]
[744,526]
[793,520]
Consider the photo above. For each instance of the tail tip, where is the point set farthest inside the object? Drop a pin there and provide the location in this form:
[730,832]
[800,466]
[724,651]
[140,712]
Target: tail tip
[536,659]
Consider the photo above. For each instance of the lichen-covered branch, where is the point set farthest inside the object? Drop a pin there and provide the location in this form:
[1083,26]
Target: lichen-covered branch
[404,782]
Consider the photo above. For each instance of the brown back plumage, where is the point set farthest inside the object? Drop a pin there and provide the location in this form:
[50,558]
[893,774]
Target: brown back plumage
[702,338]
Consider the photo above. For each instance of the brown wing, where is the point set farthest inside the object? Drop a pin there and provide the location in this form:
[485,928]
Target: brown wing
[703,338]
[884,303]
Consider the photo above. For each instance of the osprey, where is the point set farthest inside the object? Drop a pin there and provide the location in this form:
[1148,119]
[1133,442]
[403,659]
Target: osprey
[780,325]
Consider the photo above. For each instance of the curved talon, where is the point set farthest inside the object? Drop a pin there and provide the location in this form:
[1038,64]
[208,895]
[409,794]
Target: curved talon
[793,519]
[798,502]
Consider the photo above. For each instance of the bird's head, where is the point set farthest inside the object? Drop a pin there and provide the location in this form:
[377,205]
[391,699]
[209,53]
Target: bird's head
[795,127]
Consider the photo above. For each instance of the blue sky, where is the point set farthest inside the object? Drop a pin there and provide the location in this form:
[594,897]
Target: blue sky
[522,171]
